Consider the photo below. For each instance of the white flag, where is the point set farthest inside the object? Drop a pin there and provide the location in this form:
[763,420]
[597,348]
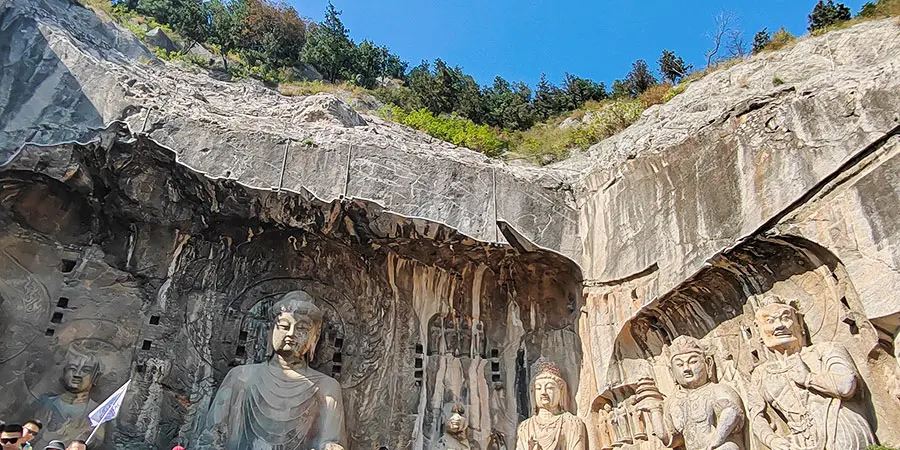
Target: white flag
[109,409]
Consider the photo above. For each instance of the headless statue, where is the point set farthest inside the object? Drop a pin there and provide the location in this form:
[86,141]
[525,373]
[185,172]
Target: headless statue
[281,404]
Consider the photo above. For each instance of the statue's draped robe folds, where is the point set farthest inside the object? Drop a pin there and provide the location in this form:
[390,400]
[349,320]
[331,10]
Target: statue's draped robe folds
[817,417]
[564,431]
[696,414]
[256,409]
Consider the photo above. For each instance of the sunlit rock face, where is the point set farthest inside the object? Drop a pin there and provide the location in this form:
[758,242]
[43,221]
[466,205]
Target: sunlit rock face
[156,249]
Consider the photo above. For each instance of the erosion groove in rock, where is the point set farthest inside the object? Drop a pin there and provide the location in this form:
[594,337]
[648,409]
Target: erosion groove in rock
[734,253]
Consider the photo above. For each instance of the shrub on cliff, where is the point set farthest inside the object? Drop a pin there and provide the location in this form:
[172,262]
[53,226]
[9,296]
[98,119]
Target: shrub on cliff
[452,128]
[825,14]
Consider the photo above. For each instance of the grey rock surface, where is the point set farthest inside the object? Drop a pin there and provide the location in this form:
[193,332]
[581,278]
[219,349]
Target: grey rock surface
[159,38]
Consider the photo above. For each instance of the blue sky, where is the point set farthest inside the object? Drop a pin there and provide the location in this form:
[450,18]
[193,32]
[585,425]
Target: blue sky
[519,40]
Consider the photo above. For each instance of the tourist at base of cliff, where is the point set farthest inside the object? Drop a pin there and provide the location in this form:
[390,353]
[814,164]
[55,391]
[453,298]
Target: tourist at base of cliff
[77,445]
[55,445]
[11,437]
[30,432]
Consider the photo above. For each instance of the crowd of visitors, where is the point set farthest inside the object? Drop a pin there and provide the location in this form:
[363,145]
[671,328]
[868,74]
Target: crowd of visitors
[20,437]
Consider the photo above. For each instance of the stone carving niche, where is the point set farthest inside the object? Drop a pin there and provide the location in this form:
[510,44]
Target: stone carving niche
[168,277]
[719,305]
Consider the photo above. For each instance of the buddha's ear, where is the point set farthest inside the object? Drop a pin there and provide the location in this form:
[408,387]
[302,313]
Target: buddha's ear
[314,341]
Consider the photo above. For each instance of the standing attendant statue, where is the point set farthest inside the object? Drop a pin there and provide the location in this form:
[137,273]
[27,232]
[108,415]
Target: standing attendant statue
[804,385]
[701,414]
[281,404]
[552,427]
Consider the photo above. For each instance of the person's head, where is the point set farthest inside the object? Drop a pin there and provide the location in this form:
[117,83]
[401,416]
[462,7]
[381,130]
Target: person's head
[11,436]
[455,419]
[548,387]
[297,323]
[55,445]
[780,325]
[31,429]
[80,371]
[77,444]
[690,363]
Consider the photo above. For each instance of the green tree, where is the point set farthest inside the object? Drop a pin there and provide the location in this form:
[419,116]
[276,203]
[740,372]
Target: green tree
[761,39]
[869,9]
[672,67]
[369,61]
[621,89]
[827,13]
[272,34]
[580,90]
[509,106]
[226,21]
[329,47]
[549,99]
[395,67]
[640,79]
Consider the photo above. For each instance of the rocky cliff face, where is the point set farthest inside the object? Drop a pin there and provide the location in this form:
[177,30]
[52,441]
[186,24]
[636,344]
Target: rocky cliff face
[153,216]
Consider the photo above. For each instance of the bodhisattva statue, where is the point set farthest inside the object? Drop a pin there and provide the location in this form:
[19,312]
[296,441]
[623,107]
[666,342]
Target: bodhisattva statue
[456,428]
[552,427]
[607,432]
[804,385]
[65,416]
[700,414]
[281,404]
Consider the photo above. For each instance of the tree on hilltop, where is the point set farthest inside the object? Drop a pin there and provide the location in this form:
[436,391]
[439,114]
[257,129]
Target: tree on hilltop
[640,79]
[761,39]
[329,47]
[827,13]
[225,24]
[672,68]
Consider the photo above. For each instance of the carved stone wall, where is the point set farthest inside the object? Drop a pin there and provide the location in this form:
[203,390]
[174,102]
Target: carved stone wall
[166,276]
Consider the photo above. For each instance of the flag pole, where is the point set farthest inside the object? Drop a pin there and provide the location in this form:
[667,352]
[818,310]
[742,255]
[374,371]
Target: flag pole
[93,432]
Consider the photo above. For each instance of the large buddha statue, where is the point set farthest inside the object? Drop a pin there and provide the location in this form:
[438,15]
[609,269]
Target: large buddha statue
[281,404]
[701,414]
[808,387]
[65,415]
[552,427]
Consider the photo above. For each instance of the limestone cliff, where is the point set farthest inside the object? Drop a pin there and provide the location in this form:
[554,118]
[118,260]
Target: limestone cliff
[152,214]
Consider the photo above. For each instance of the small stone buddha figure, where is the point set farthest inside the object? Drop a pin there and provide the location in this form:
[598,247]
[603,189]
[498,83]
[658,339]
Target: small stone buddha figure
[65,415]
[700,414]
[807,386]
[281,404]
[456,428]
[552,427]
[606,433]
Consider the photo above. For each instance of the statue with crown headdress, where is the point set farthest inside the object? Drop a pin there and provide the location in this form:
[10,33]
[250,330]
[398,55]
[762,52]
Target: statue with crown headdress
[552,427]
[802,395]
[701,414]
[282,404]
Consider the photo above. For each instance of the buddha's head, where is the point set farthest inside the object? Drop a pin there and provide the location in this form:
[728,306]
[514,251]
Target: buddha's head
[80,371]
[691,365]
[780,325]
[455,422]
[297,323]
[548,387]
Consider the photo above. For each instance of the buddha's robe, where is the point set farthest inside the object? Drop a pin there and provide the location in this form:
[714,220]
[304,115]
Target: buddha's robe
[258,408]
[563,431]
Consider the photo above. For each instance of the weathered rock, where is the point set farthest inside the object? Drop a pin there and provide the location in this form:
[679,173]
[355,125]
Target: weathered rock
[738,188]
[157,37]
[327,108]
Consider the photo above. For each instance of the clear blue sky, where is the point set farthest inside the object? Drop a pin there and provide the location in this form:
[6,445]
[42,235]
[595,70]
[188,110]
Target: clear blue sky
[519,40]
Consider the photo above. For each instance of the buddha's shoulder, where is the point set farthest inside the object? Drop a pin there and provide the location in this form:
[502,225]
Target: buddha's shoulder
[244,372]
[324,382]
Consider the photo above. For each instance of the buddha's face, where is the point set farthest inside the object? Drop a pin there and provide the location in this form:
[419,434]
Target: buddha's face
[456,423]
[780,328]
[690,370]
[547,392]
[78,374]
[293,335]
